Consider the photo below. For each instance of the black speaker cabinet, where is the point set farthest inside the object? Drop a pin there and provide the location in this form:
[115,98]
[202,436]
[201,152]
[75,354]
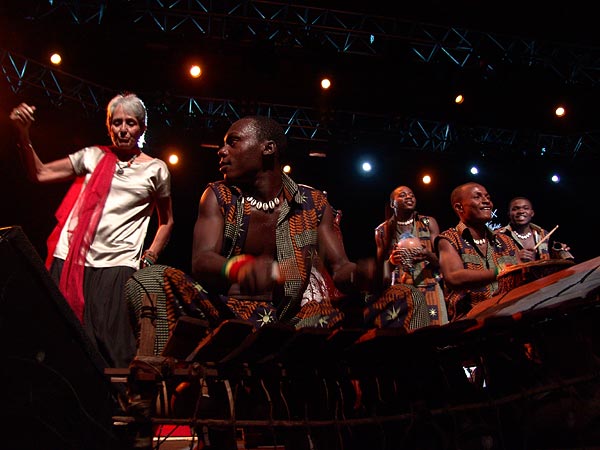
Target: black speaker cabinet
[54,391]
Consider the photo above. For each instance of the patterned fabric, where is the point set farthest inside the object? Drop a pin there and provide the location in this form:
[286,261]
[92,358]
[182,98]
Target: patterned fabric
[400,306]
[305,299]
[543,251]
[427,279]
[501,252]
[177,294]
[296,237]
[150,282]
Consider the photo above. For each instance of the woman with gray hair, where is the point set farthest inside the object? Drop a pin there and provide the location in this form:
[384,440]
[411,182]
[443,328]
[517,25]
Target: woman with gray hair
[103,220]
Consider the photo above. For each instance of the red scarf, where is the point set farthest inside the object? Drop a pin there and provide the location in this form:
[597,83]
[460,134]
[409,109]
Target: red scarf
[87,206]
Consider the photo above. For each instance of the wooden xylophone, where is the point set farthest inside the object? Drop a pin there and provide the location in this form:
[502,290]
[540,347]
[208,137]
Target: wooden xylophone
[508,379]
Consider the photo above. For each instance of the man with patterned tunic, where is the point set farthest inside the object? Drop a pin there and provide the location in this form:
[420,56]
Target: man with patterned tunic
[471,256]
[529,237]
[265,250]
[260,240]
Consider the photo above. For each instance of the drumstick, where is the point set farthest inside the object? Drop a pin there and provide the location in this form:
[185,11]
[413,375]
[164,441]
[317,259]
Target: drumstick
[545,237]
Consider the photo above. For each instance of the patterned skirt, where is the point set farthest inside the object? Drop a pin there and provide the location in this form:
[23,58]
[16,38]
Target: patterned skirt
[178,294]
[399,306]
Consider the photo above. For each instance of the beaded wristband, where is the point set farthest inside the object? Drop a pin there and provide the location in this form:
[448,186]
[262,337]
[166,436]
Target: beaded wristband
[149,258]
[496,272]
[232,266]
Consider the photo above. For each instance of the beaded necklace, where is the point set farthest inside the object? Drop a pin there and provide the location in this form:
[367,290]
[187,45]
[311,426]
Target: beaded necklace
[128,164]
[523,236]
[265,206]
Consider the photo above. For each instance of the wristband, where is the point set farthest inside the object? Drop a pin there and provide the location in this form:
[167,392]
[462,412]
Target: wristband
[496,272]
[149,258]
[232,266]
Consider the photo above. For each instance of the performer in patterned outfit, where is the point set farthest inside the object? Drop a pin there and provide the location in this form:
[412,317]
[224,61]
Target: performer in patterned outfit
[526,234]
[471,255]
[262,242]
[260,237]
[418,267]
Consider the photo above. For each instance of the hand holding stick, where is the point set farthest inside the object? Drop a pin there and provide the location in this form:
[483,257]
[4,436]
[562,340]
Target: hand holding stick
[545,237]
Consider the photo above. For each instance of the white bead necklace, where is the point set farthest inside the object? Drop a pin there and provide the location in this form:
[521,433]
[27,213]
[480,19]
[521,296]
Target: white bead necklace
[523,236]
[265,206]
[406,222]
[479,241]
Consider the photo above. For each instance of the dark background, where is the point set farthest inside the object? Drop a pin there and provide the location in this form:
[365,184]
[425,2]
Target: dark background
[121,55]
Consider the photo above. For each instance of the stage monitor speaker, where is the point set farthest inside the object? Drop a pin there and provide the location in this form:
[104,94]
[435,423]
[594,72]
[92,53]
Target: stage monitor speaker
[55,394]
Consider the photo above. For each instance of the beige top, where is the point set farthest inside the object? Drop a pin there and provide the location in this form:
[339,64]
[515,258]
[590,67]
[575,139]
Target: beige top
[122,229]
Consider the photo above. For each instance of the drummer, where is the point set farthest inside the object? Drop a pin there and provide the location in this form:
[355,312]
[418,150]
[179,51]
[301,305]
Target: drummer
[471,256]
[529,237]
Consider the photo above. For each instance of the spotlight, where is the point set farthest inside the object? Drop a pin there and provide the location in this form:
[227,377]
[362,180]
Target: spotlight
[55,59]
[195,71]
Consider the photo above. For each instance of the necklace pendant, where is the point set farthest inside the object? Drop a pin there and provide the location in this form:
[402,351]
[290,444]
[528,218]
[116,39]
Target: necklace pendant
[120,168]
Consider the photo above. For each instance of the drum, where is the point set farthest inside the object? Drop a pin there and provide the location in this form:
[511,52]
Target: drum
[519,274]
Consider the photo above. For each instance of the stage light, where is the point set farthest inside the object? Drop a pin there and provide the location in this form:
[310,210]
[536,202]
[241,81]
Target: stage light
[287,168]
[325,83]
[195,71]
[459,99]
[426,179]
[55,59]
[555,178]
[474,170]
[366,166]
[560,111]
[173,159]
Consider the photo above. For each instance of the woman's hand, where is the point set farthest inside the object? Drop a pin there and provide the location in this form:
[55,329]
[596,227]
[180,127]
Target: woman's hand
[22,117]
